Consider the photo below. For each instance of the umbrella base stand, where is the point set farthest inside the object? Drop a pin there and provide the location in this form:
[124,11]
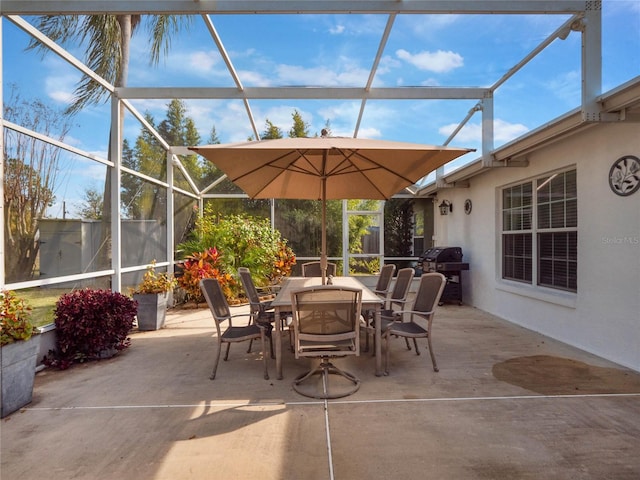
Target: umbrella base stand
[315,383]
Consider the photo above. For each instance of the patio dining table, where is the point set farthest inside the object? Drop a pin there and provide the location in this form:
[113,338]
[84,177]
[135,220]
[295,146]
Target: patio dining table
[282,303]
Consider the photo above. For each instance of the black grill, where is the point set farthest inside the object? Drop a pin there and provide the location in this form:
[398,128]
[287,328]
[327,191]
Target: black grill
[448,261]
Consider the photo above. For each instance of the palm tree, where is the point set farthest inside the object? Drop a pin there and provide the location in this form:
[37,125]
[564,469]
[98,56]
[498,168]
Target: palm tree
[108,41]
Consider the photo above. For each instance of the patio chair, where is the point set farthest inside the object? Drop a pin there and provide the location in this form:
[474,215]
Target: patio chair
[384,280]
[424,306]
[398,298]
[325,325]
[312,269]
[261,311]
[232,334]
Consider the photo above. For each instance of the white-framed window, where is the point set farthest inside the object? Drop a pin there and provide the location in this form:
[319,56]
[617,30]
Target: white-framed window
[540,231]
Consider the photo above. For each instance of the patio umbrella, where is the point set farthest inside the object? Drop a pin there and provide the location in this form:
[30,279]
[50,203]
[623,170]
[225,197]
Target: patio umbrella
[326,168]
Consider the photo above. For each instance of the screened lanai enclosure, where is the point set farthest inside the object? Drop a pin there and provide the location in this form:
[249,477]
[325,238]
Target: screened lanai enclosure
[101,101]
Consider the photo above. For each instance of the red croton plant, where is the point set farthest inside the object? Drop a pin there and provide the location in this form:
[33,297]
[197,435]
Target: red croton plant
[204,265]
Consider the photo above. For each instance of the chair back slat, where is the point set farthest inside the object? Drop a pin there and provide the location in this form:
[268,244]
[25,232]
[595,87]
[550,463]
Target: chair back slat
[313,269]
[403,282]
[249,288]
[429,292]
[215,299]
[384,279]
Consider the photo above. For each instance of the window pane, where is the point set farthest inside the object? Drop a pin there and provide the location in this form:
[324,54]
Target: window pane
[516,197]
[572,246]
[557,266]
[54,220]
[185,212]
[146,218]
[544,216]
[572,213]
[506,199]
[526,218]
[556,187]
[571,190]
[544,194]
[517,260]
[557,215]
[527,194]
[506,220]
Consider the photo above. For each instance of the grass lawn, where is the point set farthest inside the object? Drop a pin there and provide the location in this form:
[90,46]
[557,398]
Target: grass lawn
[43,302]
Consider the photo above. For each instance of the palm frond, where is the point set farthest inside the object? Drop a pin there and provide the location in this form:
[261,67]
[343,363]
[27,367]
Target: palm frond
[161,28]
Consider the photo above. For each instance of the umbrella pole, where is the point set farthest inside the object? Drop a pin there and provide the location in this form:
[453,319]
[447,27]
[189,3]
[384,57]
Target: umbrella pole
[323,246]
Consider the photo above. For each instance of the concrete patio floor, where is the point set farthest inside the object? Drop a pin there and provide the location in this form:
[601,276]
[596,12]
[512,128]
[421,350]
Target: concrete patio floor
[506,404]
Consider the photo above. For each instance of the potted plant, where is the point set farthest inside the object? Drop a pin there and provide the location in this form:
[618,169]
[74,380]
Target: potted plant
[152,295]
[91,324]
[18,353]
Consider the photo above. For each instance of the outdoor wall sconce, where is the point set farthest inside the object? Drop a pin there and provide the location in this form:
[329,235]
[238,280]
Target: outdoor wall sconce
[445,207]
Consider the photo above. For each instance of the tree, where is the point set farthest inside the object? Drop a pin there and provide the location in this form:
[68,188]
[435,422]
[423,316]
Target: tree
[398,229]
[130,184]
[31,172]
[271,131]
[108,41]
[209,170]
[91,207]
[300,128]
[180,130]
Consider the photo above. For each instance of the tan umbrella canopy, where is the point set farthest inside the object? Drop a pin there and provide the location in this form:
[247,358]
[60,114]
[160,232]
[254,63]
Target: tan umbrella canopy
[326,168]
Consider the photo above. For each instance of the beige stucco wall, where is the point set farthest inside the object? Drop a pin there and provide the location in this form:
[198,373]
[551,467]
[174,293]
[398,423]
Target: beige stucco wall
[604,316]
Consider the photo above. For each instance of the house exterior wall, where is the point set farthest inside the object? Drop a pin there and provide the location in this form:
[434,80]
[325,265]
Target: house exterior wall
[603,317]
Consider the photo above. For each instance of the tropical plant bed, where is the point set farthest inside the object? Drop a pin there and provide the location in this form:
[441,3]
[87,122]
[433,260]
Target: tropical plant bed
[233,302]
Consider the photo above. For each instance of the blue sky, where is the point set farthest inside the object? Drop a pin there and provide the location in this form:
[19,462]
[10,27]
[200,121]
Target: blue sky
[338,50]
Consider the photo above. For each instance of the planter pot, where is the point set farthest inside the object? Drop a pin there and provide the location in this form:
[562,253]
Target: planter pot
[152,310]
[17,370]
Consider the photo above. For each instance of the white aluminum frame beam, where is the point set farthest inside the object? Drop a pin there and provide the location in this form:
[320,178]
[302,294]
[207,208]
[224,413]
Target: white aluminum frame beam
[305,93]
[232,70]
[374,69]
[191,7]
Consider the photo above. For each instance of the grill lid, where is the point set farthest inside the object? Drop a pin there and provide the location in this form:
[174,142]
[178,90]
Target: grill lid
[442,255]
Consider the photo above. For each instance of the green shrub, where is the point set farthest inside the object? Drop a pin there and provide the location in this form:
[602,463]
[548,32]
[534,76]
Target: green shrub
[242,241]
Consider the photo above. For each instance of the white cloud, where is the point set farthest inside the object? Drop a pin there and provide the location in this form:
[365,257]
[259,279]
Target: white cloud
[203,61]
[298,75]
[369,132]
[567,87]
[438,62]
[59,87]
[505,132]
[430,25]
[255,79]
[337,29]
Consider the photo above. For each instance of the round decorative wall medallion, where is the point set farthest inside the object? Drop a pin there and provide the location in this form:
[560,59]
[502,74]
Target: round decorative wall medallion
[467,206]
[624,176]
